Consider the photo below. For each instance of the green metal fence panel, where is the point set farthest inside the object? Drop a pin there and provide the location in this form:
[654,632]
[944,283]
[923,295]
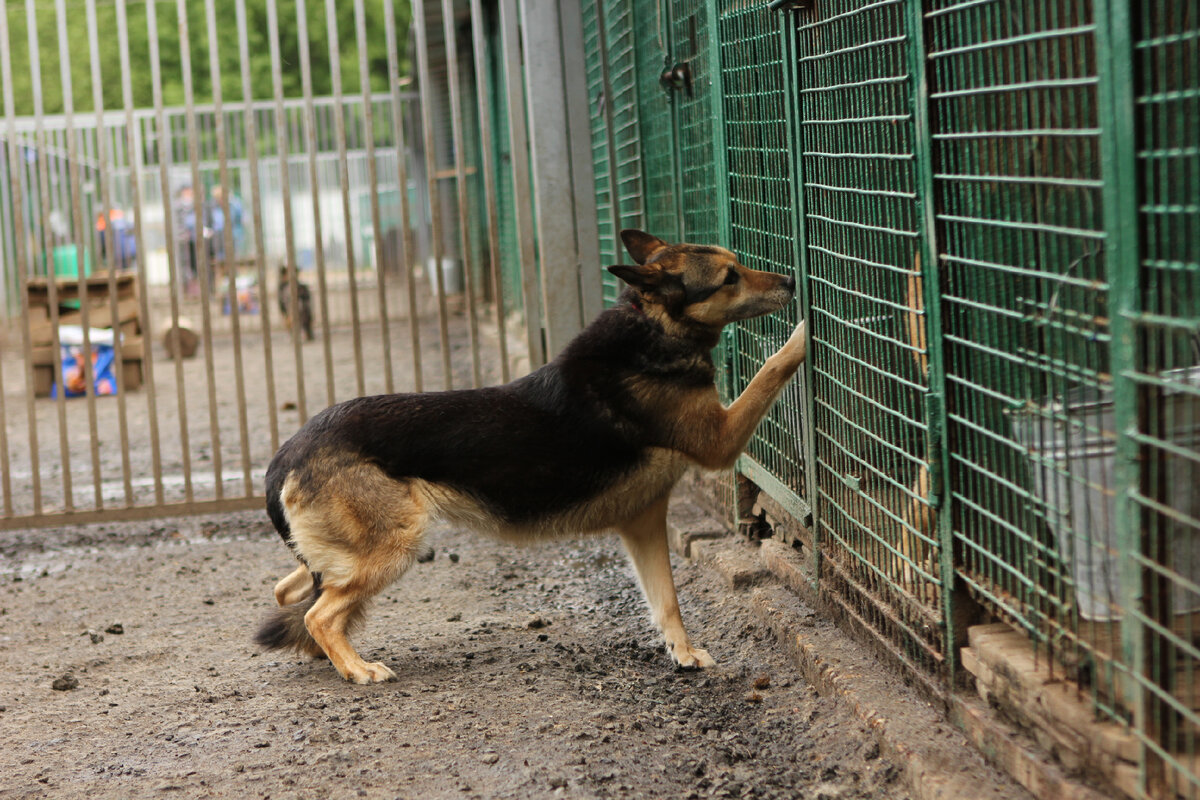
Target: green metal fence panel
[941,173]
[655,114]
[1018,180]
[615,127]
[622,77]
[699,140]
[702,200]
[879,554]
[1166,373]
[597,102]
[510,258]
[762,229]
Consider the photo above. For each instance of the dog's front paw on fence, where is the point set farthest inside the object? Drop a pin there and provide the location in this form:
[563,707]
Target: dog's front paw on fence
[797,343]
[689,657]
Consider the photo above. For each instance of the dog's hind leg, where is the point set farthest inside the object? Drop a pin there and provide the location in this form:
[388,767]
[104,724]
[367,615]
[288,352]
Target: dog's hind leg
[337,609]
[645,538]
[375,547]
[356,533]
[295,587]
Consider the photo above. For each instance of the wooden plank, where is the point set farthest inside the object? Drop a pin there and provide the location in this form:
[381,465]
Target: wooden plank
[1008,674]
[1104,640]
[99,316]
[133,348]
[37,290]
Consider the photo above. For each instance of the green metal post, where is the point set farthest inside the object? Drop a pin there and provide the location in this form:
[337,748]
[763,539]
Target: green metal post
[726,351]
[1114,53]
[935,406]
[796,160]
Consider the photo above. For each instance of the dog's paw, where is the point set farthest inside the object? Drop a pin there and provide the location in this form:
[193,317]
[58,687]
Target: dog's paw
[688,657]
[371,673]
[797,343]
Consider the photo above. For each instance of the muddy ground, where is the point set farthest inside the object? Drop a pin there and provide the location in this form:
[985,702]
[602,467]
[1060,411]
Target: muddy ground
[127,670]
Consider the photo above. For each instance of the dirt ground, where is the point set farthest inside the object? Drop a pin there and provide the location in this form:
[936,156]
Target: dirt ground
[127,667]
[127,670]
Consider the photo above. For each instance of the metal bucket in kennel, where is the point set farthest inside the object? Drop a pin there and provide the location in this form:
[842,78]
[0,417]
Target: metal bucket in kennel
[1071,446]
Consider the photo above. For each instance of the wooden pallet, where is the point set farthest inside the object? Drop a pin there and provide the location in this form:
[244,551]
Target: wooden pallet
[96,291]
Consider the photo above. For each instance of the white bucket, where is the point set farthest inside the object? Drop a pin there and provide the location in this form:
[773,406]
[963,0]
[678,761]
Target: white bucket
[452,276]
[1073,466]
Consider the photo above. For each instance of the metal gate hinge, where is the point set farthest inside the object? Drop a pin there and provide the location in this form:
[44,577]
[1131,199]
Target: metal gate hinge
[677,77]
[788,5]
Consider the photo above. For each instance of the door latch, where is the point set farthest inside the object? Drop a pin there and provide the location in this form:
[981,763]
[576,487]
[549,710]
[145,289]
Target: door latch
[677,77]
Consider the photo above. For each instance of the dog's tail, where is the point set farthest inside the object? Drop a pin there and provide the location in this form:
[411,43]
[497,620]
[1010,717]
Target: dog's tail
[284,629]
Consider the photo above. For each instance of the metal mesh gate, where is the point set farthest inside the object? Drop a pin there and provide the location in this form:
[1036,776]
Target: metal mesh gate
[182,215]
[609,39]
[762,227]
[701,202]
[1165,504]
[879,557]
[655,107]
[1013,96]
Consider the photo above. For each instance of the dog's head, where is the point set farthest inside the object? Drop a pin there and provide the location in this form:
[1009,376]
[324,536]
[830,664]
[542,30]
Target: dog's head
[699,285]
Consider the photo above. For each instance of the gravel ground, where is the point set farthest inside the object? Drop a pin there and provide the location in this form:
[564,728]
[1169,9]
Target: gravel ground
[127,670]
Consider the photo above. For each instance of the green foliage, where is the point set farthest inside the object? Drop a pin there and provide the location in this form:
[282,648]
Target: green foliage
[77,51]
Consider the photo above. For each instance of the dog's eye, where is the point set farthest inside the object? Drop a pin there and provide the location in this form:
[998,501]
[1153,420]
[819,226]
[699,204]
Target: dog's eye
[732,277]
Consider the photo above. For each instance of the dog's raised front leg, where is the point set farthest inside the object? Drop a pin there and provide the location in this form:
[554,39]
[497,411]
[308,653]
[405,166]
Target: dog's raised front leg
[715,436]
[645,539]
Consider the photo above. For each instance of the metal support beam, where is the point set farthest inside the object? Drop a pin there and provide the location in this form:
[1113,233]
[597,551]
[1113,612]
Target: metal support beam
[518,145]
[925,281]
[1138,586]
[550,150]
[583,183]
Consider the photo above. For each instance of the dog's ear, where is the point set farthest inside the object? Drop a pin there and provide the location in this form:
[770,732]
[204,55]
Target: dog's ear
[641,245]
[638,276]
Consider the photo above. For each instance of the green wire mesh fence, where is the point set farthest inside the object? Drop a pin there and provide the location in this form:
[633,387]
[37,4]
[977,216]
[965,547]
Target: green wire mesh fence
[661,201]
[978,197]
[1018,180]
[616,145]
[607,220]
[855,136]
[762,224]
[1166,373]
[702,198]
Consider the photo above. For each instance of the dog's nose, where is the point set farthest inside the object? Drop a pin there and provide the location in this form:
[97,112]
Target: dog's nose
[790,283]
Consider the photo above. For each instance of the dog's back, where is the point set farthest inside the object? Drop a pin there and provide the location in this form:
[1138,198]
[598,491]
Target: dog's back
[522,453]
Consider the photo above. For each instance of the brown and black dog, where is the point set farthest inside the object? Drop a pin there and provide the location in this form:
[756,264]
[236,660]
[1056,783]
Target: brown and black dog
[304,306]
[593,441]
